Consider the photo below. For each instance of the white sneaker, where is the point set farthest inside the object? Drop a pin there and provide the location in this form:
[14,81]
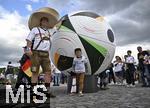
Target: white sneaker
[111,83]
[119,83]
[128,85]
[81,94]
[115,84]
[132,85]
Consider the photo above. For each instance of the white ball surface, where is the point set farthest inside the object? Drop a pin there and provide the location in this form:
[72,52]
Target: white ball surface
[91,33]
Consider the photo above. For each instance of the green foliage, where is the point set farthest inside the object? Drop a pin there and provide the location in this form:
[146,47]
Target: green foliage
[2,69]
[15,69]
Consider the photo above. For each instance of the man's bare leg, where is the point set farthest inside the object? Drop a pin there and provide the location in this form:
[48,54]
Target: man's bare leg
[34,81]
[47,77]
[34,78]
[47,83]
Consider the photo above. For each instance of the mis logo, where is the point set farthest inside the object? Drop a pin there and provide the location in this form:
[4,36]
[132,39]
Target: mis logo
[21,92]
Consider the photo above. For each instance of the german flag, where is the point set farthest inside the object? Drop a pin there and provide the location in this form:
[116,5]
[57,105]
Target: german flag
[26,65]
[26,68]
[24,71]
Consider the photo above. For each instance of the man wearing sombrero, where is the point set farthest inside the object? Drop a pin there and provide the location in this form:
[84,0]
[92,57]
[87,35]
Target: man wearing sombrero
[41,23]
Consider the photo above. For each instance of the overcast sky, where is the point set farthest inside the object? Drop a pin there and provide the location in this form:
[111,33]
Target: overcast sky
[130,20]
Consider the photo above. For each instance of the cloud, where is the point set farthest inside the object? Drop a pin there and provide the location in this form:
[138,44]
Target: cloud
[29,7]
[131,25]
[13,31]
[65,6]
[103,7]
[34,1]
[129,18]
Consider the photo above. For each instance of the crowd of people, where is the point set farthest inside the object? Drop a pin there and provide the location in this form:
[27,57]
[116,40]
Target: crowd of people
[125,71]
[8,75]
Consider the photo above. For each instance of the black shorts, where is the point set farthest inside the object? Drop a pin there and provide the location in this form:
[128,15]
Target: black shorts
[119,74]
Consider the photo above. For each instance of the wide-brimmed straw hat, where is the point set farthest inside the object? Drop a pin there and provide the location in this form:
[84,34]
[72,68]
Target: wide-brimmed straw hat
[51,14]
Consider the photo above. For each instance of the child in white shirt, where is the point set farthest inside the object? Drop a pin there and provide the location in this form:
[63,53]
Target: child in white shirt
[79,67]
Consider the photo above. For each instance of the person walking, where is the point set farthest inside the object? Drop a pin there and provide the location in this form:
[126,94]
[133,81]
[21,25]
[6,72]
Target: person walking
[142,65]
[56,76]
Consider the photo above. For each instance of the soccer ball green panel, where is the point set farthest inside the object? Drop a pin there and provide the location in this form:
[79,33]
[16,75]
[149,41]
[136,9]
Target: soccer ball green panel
[91,33]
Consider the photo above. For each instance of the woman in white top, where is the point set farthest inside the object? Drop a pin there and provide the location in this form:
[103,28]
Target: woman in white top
[118,69]
[130,69]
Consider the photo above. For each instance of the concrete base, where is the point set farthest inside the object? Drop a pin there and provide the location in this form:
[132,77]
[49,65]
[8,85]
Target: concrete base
[90,84]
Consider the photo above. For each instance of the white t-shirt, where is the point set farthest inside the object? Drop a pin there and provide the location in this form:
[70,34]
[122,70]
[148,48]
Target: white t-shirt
[79,64]
[57,71]
[45,44]
[130,59]
[147,59]
[118,67]
[54,69]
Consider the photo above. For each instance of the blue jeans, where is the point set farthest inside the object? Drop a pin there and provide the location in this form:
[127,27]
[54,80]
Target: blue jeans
[147,74]
[57,78]
[143,77]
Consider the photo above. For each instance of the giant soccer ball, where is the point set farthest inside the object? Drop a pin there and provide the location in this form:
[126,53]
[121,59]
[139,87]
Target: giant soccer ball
[88,31]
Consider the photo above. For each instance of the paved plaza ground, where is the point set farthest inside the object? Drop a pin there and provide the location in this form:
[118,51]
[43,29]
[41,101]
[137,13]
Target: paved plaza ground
[114,97]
